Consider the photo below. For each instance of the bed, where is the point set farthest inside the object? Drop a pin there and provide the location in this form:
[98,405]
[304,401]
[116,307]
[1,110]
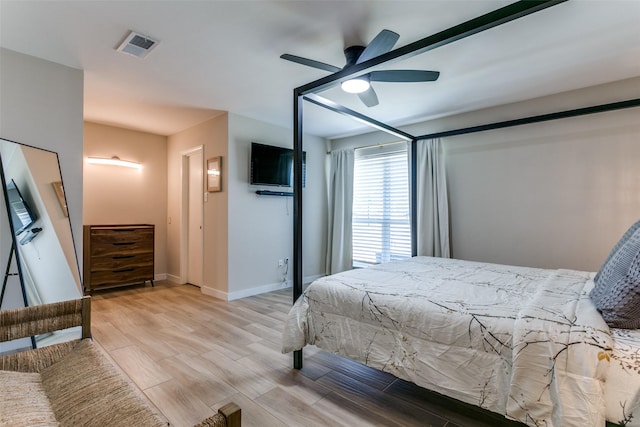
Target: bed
[535,345]
[527,343]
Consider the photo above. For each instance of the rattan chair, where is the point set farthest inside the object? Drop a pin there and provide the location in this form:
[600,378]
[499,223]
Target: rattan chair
[73,383]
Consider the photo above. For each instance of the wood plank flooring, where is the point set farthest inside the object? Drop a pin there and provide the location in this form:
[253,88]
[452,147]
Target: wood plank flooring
[190,354]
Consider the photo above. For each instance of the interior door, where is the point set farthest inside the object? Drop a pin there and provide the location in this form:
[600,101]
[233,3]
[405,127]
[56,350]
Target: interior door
[195,219]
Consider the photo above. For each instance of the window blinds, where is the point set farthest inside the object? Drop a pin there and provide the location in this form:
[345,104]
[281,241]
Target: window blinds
[381,223]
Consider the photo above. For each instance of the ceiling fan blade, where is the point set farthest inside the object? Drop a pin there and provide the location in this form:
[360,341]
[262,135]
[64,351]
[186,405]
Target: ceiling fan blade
[369,97]
[310,63]
[403,76]
[382,43]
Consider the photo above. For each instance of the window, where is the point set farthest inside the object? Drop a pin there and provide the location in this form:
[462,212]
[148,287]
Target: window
[381,223]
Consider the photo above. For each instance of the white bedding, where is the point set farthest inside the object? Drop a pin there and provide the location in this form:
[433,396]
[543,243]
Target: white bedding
[524,342]
[622,393]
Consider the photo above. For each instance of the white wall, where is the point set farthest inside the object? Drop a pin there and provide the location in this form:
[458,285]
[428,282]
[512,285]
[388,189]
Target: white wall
[553,194]
[261,227]
[41,106]
[44,257]
[45,170]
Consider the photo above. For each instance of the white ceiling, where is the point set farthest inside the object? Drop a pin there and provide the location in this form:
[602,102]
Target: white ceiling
[224,55]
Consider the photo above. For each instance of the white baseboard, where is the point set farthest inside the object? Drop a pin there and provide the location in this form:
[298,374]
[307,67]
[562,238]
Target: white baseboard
[214,293]
[173,279]
[230,296]
[161,276]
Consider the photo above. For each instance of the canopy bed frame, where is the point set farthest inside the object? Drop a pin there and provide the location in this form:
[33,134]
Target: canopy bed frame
[352,335]
[309,91]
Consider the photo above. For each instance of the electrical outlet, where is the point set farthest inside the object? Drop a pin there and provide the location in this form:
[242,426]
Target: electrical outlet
[280,263]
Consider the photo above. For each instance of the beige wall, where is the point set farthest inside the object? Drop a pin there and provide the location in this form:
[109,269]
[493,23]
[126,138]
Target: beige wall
[552,194]
[117,195]
[212,136]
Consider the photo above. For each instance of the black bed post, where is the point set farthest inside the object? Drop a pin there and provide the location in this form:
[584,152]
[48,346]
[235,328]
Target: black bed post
[413,185]
[505,14]
[297,208]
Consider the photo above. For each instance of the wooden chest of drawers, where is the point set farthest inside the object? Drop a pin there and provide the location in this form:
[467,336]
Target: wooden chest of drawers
[116,255]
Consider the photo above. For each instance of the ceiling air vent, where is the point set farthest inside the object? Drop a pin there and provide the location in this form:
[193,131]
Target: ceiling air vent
[137,45]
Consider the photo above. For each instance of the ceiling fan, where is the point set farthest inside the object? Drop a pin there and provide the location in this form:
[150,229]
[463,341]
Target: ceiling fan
[361,85]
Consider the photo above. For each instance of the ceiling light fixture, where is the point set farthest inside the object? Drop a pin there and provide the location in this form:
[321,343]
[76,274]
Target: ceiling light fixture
[357,85]
[114,161]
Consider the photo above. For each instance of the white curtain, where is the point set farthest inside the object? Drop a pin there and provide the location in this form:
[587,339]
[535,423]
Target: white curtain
[433,203]
[340,189]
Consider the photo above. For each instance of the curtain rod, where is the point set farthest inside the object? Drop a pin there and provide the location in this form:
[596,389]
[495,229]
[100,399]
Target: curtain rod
[537,119]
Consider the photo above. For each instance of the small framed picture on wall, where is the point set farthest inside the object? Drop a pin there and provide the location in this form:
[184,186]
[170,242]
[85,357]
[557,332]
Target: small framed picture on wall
[214,174]
[59,189]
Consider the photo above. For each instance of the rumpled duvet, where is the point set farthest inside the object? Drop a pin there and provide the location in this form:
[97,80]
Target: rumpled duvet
[523,342]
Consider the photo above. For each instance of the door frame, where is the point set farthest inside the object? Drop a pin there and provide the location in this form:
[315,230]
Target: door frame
[184,208]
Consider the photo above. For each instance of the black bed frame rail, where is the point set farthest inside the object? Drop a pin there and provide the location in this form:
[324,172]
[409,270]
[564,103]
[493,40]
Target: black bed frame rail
[308,93]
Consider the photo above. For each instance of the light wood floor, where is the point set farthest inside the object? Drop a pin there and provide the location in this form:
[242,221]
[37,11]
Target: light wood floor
[190,354]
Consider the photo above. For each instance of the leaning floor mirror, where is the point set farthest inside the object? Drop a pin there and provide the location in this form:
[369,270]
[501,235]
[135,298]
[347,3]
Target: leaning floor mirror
[37,249]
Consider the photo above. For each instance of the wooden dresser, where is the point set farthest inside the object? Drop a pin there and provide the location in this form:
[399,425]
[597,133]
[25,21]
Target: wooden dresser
[116,255]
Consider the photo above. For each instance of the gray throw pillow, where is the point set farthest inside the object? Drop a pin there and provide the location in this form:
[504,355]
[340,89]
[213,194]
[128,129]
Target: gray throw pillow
[621,242]
[617,286]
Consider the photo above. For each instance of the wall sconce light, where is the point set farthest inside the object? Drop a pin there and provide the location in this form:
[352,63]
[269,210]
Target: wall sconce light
[114,161]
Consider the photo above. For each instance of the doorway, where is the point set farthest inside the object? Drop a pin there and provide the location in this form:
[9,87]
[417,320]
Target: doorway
[192,216]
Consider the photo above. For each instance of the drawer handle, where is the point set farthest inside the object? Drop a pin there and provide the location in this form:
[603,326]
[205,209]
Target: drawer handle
[123,243]
[122,256]
[123,270]
[123,229]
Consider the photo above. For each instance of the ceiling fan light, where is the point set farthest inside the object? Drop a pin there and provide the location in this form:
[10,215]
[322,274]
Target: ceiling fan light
[355,85]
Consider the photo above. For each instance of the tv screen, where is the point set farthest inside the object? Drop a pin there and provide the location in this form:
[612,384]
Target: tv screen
[22,216]
[271,165]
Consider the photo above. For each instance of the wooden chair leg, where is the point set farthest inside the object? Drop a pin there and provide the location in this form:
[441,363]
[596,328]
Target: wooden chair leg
[232,413]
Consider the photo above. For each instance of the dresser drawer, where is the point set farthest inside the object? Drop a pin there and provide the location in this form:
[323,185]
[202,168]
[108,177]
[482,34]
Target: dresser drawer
[127,275]
[121,241]
[123,234]
[100,249]
[120,261]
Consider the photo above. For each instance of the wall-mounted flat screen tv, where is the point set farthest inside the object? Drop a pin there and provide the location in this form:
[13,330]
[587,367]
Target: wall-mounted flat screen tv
[271,165]
[22,216]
